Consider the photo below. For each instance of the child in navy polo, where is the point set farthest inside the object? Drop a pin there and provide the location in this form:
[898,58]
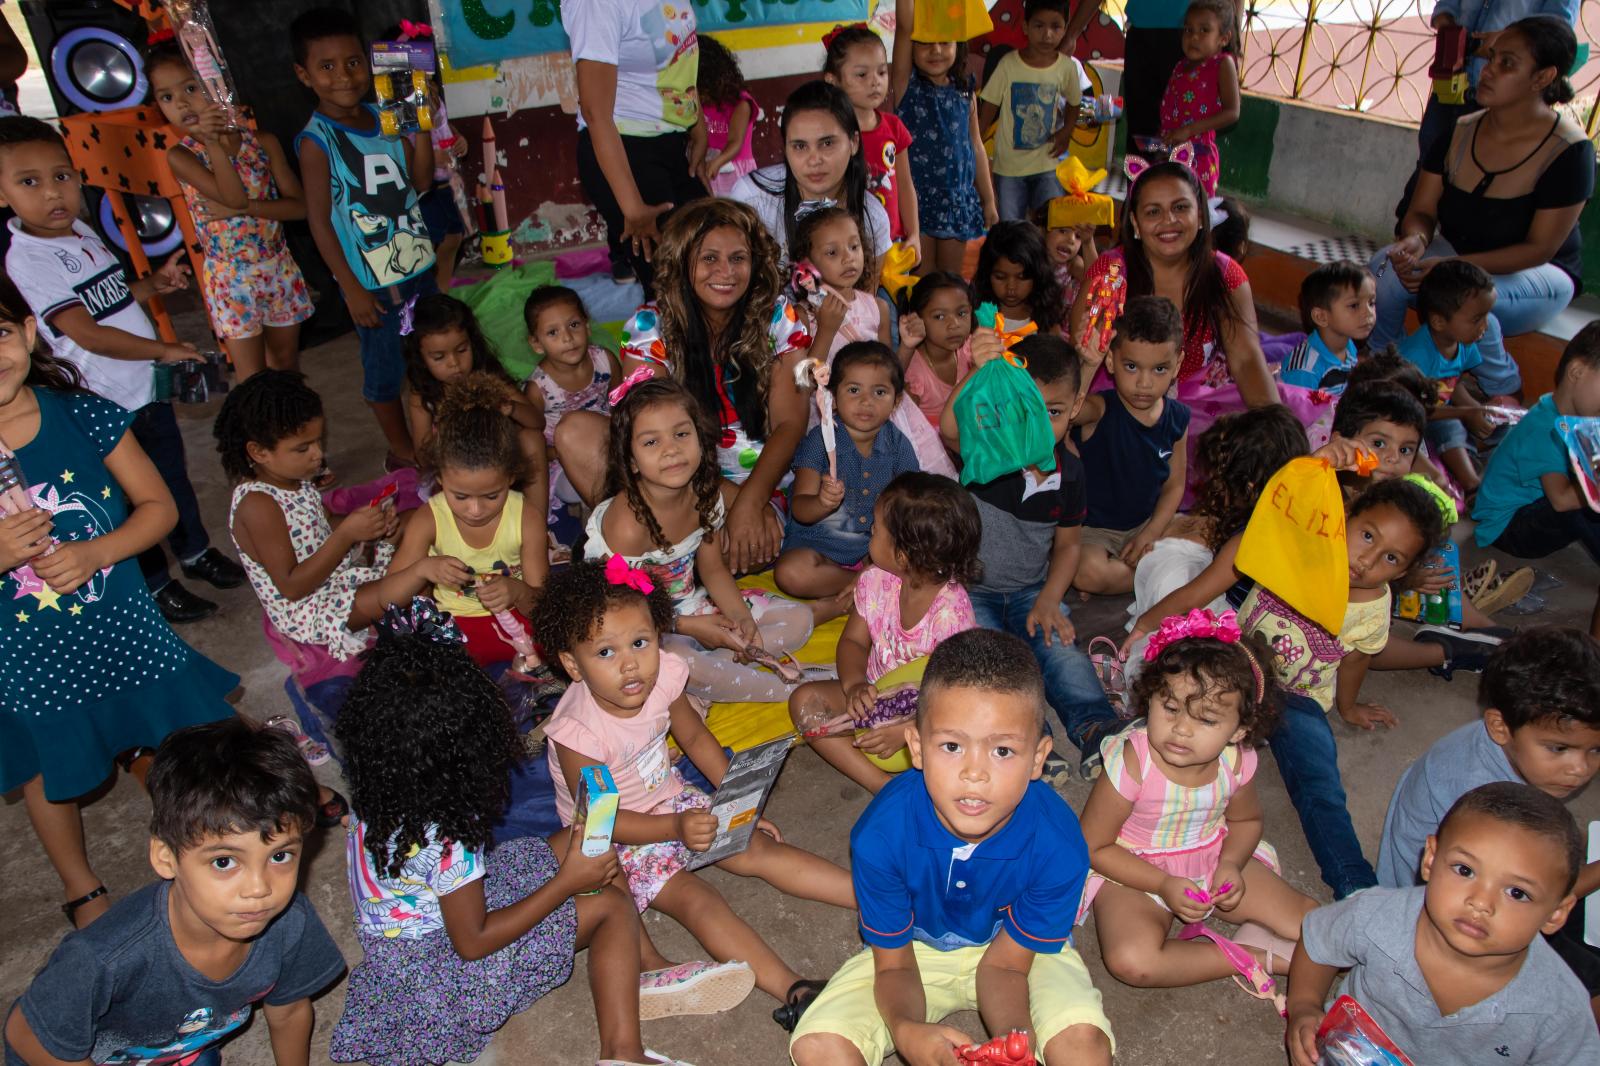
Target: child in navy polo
[1134,442]
[1338,306]
[968,871]
[1453,302]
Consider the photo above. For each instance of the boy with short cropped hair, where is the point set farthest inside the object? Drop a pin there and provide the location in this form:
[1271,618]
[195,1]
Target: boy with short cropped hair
[89,313]
[968,870]
[1455,967]
[177,966]
[1032,522]
[361,203]
[1338,307]
[1541,726]
[1134,442]
[1034,92]
[1453,302]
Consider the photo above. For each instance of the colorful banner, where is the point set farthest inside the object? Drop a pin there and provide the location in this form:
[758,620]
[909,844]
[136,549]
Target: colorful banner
[487,31]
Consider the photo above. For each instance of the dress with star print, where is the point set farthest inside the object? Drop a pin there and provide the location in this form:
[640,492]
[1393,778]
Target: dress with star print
[1193,93]
[91,674]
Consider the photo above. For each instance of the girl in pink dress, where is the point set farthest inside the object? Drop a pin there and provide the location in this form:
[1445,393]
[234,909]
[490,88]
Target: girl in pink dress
[1202,95]
[936,341]
[1174,824]
[730,113]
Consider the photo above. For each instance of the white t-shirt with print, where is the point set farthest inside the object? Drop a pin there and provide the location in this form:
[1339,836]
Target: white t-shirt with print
[55,273]
[752,189]
[652,44]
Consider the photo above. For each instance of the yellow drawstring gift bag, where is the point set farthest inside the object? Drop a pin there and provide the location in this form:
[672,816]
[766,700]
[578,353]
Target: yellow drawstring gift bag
[1294,544]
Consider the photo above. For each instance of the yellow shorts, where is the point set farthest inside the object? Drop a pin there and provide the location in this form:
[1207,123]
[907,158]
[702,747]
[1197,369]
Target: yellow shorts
[1060,995]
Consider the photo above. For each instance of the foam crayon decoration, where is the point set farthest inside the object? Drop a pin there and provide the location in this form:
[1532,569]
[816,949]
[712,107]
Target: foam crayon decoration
[814,373]
[14,498]
[198,39]
[1106,300]
[481,202]
[490,160]
[497,199]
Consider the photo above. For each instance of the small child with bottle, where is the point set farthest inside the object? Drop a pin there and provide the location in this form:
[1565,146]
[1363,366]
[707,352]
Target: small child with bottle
[239,189]
[857,63]
[664,498]
[924,552]
[1174,823]
[606,621]
[1202,94]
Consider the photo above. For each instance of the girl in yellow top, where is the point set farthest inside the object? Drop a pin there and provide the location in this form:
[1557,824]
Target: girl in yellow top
[477,520]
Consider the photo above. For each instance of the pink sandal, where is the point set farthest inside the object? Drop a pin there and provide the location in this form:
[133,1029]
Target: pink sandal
[1260,981]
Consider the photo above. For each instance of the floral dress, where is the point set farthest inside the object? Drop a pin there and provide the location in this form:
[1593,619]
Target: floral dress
[1193,93]
[1177,829]
[595,396]
[250,281]
[320,618]
[894,645]
[944,170]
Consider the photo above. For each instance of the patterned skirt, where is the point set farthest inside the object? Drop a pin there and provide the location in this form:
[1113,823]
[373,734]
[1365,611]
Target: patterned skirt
[415,1002]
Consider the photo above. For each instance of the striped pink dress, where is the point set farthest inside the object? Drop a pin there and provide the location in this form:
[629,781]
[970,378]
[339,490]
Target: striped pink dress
[1177,829]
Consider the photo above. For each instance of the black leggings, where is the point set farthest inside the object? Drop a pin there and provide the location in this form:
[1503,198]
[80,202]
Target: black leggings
[1151,55]
[660,168]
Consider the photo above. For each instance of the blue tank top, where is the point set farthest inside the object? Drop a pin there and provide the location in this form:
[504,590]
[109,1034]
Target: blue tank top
[374,207]
[1128,462]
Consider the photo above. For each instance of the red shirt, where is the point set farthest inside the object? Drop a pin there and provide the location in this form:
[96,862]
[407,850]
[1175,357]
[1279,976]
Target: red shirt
[881,147]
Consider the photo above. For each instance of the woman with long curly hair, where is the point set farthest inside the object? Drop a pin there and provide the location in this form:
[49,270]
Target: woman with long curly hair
[721,327]
[459,936]
[663,498]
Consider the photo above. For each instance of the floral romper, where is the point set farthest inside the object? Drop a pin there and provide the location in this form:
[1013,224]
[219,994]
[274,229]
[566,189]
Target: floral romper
[595,396]
[250,281]
[320,618]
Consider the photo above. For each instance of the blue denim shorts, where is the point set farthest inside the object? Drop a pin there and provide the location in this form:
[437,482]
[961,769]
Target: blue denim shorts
[383,357]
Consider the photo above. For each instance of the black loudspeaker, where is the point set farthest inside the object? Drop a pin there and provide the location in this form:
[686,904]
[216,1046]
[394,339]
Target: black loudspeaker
[91,51]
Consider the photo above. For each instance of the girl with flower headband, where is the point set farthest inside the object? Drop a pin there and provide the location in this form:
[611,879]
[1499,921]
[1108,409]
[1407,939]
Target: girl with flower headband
[606,623]
[1174,823]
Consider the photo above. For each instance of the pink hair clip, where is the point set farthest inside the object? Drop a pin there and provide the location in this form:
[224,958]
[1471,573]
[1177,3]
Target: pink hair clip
[620,572]
[640,374]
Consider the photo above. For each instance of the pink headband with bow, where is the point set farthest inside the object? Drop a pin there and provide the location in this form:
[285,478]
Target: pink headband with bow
[620,572]
[1203,625]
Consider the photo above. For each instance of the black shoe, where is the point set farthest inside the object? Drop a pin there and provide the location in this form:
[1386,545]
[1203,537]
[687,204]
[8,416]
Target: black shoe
[215,569]
[622,272]
[1462,651]
[179,605]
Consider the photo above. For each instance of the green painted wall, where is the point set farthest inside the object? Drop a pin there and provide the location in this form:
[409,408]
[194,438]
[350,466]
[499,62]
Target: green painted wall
[1246,148]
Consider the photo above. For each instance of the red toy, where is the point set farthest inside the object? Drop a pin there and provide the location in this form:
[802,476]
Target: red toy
[1013,1049]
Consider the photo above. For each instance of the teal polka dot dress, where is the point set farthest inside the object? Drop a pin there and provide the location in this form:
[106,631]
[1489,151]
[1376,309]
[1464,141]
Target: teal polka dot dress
[88,675]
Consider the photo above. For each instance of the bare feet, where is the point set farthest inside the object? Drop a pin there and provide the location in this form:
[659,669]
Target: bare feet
[830,607]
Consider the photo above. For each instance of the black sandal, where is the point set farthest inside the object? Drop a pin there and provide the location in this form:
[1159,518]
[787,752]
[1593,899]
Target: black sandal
[331,812]
[70,908]
[801,995]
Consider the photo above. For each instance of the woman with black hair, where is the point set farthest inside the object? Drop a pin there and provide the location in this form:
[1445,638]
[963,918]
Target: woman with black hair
[1504,191]
[822,161]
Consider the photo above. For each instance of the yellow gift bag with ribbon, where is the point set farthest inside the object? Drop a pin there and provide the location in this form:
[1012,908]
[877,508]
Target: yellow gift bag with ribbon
[1080,205]
[1294,544]
[933,21]
[896,277]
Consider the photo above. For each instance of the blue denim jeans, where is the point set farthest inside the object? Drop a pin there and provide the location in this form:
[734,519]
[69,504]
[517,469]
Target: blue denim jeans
[1524,302]
[1069,680]
[1016,198]
[1308,761]
[383,355]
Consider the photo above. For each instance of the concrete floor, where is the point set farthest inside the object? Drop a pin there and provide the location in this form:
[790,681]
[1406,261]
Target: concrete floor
[815,807]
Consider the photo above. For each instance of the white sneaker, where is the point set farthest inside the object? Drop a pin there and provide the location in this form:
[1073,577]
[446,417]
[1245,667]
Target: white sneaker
[694,988]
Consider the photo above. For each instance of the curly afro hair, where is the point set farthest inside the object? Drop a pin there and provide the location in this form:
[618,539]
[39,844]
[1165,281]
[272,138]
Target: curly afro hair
[471,433]
[271,405]
[1218,668]
[577,598]
[428,746]
[1236,456]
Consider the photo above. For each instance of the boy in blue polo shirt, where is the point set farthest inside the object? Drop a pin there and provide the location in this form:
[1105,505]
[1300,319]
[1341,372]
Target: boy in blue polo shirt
[1454,302]
[968,871]
[1134,441]
[1338,306]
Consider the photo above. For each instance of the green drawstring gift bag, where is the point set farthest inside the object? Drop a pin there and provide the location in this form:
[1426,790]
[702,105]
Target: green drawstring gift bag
[1002,418]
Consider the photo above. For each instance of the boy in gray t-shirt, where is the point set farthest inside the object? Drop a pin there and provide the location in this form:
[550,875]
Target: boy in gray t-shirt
[174,968]
[1455,970]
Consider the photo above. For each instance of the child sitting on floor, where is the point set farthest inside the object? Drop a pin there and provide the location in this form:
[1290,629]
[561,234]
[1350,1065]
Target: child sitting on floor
[1453,301]
[924,552]
[314,579]
[967,870]
[1456,967]
[1174,826]
[830,518]
[1134,441]
[935,336]
[1014,274]
[1338,307]
[174,968]
[627,697]
[1032,523]
[572,374]
[1541,726]
[663,499]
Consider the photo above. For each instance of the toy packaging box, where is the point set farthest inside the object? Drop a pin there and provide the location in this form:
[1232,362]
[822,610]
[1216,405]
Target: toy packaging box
[1435,608]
